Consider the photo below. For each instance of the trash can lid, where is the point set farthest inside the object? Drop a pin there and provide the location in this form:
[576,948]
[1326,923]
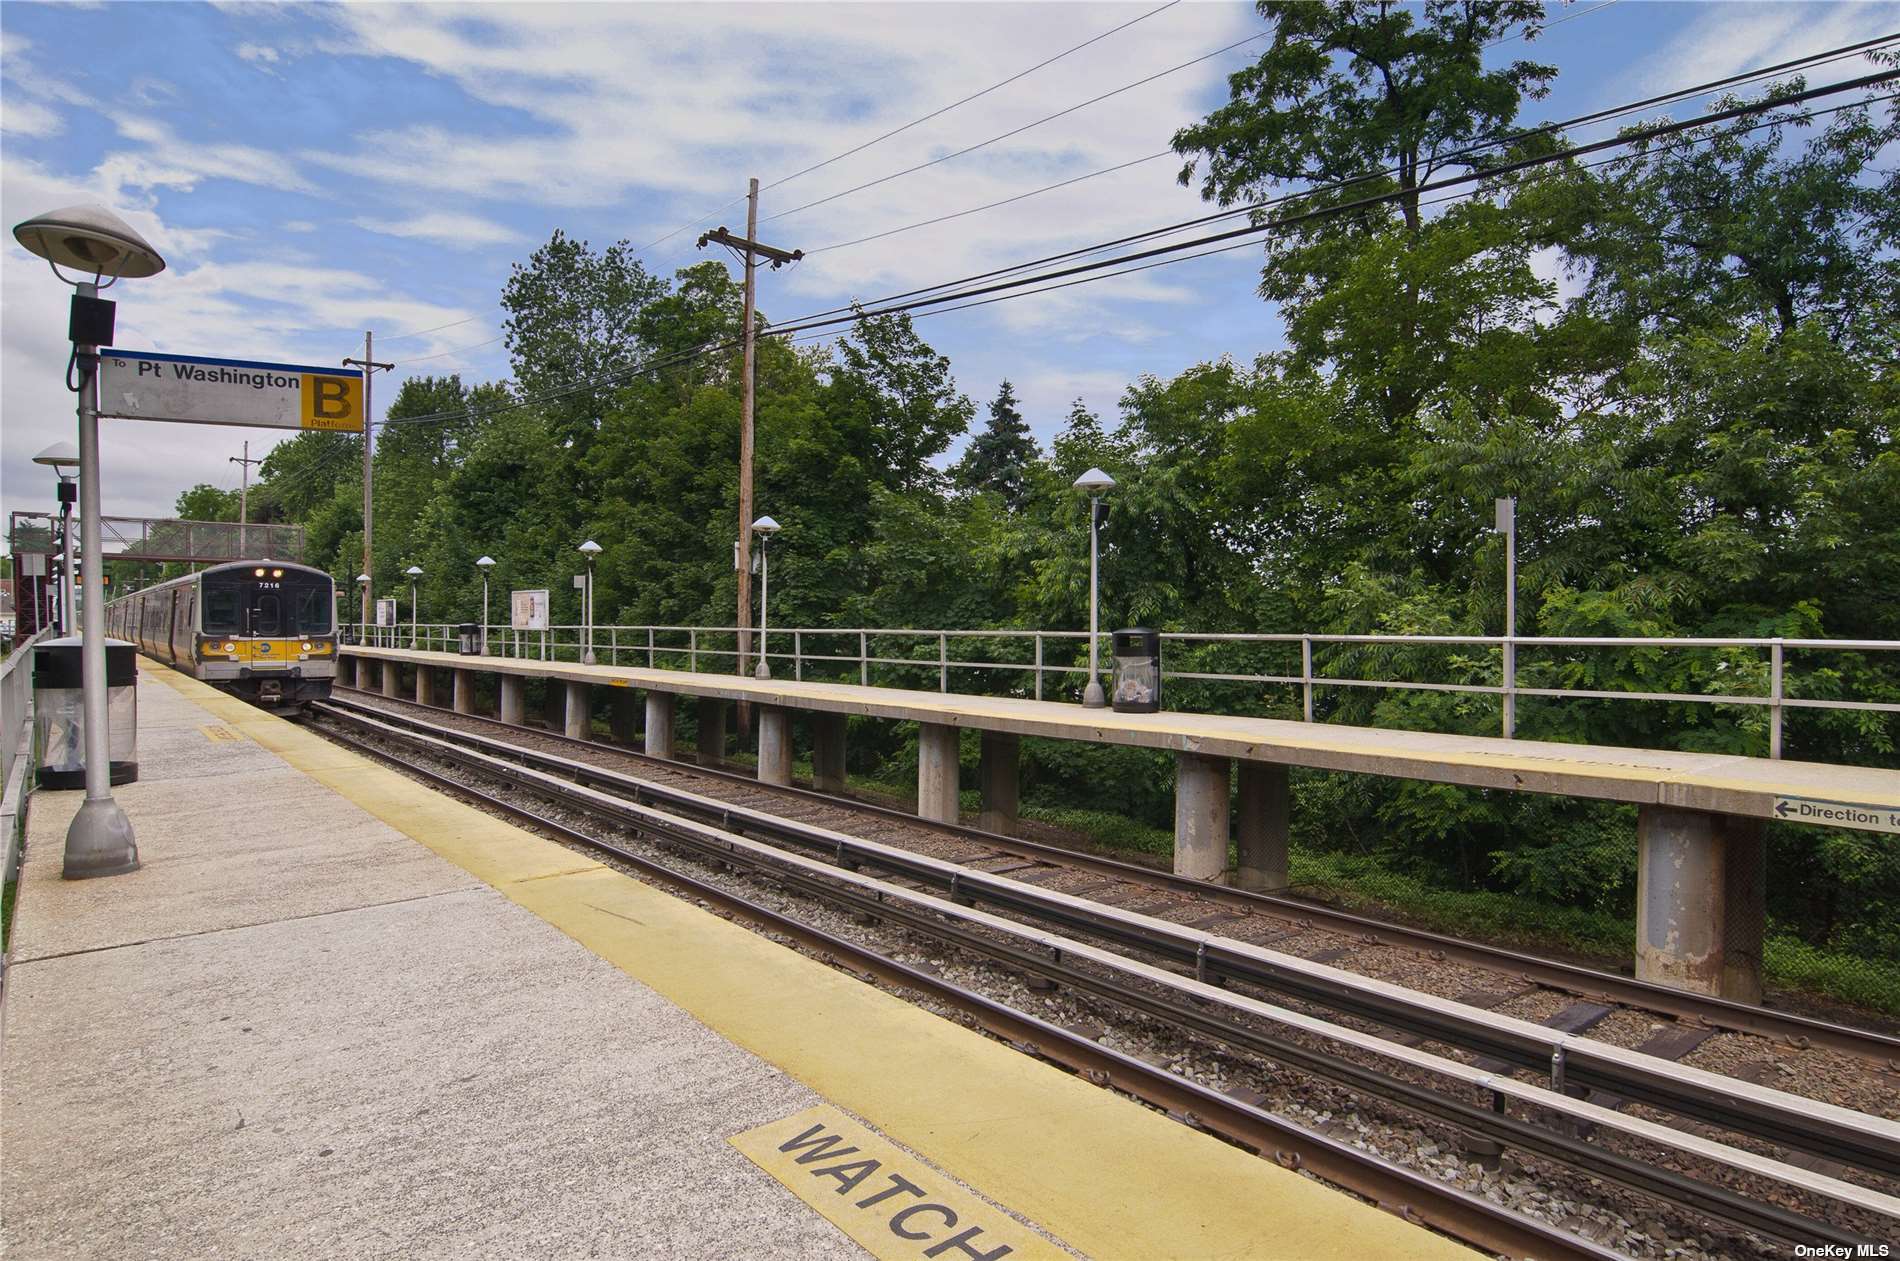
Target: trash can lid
[59,663]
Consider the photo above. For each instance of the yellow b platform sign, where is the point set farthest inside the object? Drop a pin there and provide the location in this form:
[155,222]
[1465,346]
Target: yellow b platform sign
[140,385]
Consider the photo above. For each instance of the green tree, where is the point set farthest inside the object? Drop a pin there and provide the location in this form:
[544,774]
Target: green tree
[999,458]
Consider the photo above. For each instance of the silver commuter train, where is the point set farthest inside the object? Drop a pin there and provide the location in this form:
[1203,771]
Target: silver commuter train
[264,631]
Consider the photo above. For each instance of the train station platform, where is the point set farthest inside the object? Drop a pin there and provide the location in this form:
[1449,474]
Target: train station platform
[337,1013]
[1700,819]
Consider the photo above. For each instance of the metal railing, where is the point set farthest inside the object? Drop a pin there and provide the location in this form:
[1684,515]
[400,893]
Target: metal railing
[16,744]
[888,656]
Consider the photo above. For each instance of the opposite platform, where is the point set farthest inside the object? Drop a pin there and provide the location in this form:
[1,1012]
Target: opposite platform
[338,1012]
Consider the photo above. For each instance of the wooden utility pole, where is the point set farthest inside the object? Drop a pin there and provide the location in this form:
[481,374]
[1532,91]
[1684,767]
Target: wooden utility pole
[244,499]
[370,367]
[753,251]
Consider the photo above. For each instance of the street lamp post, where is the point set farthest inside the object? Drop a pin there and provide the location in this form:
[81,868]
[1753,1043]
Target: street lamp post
[415,618]
[485,564]
[95,242]
[765,528]
[63,459]
[589,549]
[1096,484]
[362,627]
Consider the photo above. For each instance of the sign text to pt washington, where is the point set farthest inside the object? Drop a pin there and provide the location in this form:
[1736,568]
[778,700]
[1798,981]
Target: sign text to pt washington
[140,385]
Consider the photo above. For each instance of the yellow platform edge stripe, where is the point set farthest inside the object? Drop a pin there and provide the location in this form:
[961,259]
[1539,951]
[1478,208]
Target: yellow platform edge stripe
[1106,1175]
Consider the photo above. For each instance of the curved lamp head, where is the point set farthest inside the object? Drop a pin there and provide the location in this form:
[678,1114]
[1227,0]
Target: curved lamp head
[61,456]
[765,526]
[414,571]
[1095,482]
[486,562]
[90,239]
[363,579]
[590,549]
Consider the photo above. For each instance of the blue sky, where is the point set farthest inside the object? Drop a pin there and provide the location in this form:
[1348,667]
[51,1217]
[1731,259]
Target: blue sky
[311,171]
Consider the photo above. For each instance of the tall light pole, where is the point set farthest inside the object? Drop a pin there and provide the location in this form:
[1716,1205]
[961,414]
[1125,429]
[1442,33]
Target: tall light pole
[415,618]
[765,528]
[589,549]
[1095,484]
[63,459]
[95,242]
[485,564]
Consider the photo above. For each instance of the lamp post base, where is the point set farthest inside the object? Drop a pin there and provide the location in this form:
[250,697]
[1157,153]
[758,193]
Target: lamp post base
[100,842]
[1093,697]
[763,671]
[589,659]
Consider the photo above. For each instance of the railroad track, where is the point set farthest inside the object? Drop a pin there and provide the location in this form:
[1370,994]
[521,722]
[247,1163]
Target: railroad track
[1199,982]
[1512,968]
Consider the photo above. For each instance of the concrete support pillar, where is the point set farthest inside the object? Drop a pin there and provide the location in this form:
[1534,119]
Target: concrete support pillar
[625,717]
[775,744]
[937,772]
[659,731]
[580,711]
[425,685]
[1200,816]
[827,752]
[464,691]
[1261,831]
[392,679]
[1700,901]
[514,699]
[712,731]
[997,781]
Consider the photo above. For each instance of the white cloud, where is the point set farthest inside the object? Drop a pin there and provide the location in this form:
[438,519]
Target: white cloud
[28,118]
[1730,38]
[667,109]
[299,225]
[258,53]
[458,231]
[169,162]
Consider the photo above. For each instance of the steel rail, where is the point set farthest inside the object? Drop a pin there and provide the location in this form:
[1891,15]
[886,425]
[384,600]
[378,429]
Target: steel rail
[1398,1190]
[1416,1197]
[1787,1120]
[1570,978]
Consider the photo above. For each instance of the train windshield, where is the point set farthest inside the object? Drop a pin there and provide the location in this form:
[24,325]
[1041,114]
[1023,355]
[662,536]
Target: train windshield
[241,603]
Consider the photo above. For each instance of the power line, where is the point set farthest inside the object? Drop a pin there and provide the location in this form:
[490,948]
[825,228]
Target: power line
[1810,61]
[422,332]
[964,289]
[936,113]
[1017,131]
[459,350]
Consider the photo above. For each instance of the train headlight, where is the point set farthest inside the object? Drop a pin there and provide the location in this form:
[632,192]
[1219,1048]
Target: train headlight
[275,573]
[306,647]
[257,573]
[230,647]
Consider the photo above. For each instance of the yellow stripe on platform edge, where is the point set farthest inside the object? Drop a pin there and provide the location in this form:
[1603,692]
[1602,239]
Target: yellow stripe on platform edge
[1109,1177]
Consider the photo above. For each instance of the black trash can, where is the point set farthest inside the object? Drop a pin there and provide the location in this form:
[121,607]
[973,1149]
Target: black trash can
[468,639]
[1137,673]
[59,712]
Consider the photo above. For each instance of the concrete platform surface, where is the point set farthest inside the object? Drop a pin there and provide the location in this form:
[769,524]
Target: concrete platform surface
[339,1014]
[1720,783]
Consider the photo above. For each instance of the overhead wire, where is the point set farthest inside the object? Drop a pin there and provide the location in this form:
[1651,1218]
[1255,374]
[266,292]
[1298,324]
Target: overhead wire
[1739,79]
[936,113]
[1016,131]
[964,291]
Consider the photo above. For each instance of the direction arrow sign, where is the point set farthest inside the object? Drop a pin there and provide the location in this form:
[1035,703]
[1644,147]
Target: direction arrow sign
[140,385]
[1839,814]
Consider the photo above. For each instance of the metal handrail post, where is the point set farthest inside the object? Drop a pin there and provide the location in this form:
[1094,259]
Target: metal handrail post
[1510,686]
[613,645]
[798,656]
[864,660]
[649,647]
[943,662]
[1774,696]
[1306,675]
[1038,665]
[692,651]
